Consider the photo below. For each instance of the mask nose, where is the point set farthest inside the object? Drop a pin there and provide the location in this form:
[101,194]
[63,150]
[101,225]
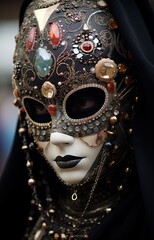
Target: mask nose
[57,138]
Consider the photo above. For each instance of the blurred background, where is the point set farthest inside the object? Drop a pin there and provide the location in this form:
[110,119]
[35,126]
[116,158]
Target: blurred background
[9,11]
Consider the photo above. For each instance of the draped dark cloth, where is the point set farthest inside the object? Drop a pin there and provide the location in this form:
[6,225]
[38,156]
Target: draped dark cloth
[134,217]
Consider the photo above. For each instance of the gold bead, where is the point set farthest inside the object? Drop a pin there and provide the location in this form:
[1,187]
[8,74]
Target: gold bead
[51,211]
[130,130]
[122,68]
[31,181]
[136,99]
[85,236]
[113,119]
[44,225]
[48,90]
[29,164]
[24,147]
[120,188]
[39,206]
[56,236]
[108,210]
[63,236]
[51,232]
[30,218]
[22,130]
[127,170]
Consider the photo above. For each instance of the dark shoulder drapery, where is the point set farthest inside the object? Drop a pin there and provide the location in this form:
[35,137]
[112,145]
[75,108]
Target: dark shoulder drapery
[136,18]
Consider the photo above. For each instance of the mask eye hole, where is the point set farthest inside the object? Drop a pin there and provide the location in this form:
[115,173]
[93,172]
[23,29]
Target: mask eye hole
[85,102]
[36,111]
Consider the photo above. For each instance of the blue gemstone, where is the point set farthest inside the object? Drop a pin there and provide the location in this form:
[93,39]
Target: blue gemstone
[43,62]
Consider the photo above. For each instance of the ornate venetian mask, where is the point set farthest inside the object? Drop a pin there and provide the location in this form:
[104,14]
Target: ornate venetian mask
[73,76]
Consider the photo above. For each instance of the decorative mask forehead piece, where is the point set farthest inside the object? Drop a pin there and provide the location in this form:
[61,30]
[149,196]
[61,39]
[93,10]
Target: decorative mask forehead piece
[68,64]
[42,16]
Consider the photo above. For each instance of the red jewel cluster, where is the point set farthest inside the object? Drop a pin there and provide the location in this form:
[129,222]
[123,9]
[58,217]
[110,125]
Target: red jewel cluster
[87,46]
[55,36]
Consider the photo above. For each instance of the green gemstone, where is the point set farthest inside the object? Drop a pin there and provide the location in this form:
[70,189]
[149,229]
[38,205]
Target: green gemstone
[43,62]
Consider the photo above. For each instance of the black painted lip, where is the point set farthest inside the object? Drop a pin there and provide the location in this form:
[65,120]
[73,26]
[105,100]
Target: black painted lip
[67,161]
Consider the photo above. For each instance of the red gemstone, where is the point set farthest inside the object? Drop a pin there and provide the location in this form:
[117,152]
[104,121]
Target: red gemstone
[55,34]
[52,109]
[30,42]
[111,87]
[87,46]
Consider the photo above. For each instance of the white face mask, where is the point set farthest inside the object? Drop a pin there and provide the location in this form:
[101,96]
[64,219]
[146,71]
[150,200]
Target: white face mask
[70,157]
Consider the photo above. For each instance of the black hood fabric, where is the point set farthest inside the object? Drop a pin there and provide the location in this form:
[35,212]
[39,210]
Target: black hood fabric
[134,218]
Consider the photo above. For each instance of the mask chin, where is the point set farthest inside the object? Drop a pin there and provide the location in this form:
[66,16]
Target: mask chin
[70,158]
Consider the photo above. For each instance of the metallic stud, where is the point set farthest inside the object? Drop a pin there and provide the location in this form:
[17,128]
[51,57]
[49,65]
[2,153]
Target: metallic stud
[106,70]
[113,120]
[48,90]
[101,4]
[31,181]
